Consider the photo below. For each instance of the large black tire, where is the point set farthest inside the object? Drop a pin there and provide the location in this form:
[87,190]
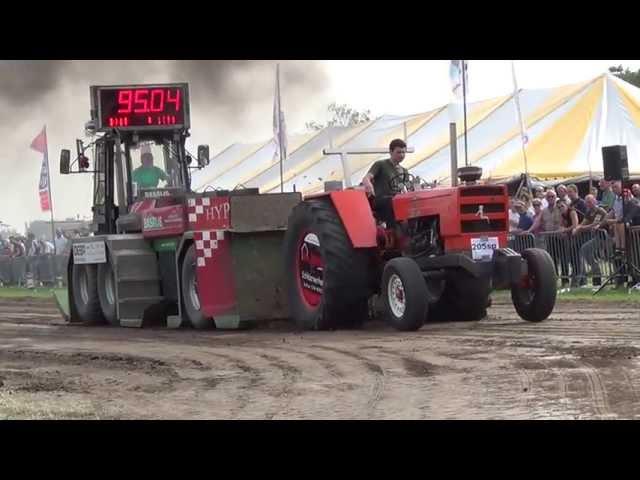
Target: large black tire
[85,294]
[465,298]
[189,289]
[345,284]
[404,294]
[107,293]
[535,302]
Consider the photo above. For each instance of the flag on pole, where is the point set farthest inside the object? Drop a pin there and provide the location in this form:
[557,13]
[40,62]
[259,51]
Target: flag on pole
[279,127]
[455,77]
[516,97]
[455,80]
[39,144]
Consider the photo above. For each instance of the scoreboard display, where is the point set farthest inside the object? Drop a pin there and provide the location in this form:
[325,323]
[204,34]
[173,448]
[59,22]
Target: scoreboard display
[141,107]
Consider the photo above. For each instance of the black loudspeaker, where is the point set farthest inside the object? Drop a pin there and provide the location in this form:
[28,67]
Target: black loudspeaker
[616,165]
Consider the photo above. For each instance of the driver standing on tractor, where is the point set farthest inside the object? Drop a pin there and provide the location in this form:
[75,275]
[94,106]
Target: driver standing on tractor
[377,182]
[148,175]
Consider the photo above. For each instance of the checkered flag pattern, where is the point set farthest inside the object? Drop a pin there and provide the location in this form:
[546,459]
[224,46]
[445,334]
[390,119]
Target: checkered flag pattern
[195,207]
[206,243]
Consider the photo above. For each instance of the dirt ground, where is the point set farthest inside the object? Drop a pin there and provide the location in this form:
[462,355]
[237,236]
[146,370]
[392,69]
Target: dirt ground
[581,363]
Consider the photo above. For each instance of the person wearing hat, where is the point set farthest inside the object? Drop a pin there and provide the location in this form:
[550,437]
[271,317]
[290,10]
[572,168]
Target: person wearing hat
[148,175]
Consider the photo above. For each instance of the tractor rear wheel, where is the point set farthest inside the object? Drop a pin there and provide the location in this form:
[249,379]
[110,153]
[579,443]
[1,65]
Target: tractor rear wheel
[189,289]
[85,294]
[107,293]
[327,280]
[404,294]
[535,296]
[465,298]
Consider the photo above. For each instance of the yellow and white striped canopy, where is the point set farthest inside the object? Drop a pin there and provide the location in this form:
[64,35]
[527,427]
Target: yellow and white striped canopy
[566,127]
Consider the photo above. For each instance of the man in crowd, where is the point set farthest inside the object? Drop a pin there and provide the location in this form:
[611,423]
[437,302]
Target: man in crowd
[536,223]
[594,218]
[563,194]
[576,201]
[539,193]
[607,196]
[60,242]
[46,247]
[635,190]
[550,220]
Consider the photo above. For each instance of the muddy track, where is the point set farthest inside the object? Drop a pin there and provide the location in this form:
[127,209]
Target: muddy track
[581,363]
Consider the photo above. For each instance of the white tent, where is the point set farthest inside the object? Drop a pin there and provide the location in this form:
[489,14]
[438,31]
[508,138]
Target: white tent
[566,126]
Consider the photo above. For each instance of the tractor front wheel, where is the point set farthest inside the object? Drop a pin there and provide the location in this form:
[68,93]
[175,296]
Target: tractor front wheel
[404,294]
[535,296]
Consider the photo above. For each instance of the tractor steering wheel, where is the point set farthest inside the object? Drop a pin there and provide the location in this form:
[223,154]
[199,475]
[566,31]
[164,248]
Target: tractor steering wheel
[402,182]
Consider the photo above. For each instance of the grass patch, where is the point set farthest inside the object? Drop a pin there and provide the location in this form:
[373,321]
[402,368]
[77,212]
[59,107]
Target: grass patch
[14,406]
[608,295]
[16,292]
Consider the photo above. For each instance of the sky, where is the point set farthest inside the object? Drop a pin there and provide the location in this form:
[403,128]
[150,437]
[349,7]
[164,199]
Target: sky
[231,102]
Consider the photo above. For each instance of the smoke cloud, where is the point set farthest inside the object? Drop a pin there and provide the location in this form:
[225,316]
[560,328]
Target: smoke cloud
[231,101]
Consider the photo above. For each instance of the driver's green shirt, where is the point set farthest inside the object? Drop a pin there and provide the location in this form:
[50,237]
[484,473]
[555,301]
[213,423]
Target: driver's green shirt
[383,171]
[148,177]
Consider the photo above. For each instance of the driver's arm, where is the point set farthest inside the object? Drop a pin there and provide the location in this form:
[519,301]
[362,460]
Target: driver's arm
[367,180]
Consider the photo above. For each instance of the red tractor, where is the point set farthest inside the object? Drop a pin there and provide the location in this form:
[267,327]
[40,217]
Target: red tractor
[441,260]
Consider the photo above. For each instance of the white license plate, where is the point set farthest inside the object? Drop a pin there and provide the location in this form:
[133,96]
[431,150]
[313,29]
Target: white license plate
[89,252]
[482,248]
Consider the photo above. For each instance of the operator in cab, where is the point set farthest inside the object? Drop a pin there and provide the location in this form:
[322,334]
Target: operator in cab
[148,175]
[377,182]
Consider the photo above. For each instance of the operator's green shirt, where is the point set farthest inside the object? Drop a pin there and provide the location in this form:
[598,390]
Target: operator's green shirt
[383,171]
[148,177]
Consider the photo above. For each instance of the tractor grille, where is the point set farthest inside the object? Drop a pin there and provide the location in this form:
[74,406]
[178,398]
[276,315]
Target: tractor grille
[488,208]
[478,226]
[481,191]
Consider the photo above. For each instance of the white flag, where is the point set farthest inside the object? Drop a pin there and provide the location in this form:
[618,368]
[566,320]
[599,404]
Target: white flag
[279,127]
[516,98]
[455,77]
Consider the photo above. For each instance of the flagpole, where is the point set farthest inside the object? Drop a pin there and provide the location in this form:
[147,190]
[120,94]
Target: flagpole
[464,103]
[516,98]
[46,149]
[280,142]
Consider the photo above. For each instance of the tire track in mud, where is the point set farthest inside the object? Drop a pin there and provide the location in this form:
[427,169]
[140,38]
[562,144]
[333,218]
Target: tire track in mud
[596,388]
[378,384]
[290,375]
[252,380]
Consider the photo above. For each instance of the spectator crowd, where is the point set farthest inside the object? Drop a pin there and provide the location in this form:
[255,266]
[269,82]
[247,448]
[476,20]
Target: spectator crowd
[578,231]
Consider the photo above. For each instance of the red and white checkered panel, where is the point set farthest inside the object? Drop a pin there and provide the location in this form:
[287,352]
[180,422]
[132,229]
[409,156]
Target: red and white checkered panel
[206,243]
[195,207]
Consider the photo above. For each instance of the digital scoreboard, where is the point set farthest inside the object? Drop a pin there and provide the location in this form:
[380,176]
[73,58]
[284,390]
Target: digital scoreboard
[141,107]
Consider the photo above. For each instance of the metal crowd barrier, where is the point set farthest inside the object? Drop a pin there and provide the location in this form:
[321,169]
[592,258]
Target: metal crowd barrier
[578,258]
[521,242]
[44,269]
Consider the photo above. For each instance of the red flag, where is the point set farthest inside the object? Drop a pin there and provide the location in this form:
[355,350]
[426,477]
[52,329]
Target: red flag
[39,143]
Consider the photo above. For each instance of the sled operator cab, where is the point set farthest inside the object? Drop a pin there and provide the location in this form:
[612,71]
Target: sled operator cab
[138,144]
